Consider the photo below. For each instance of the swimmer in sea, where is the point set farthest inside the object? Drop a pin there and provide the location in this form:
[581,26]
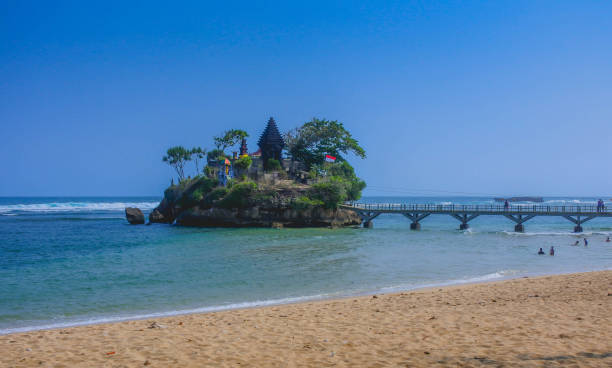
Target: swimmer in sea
[540,252]
[608,239]
[577,243]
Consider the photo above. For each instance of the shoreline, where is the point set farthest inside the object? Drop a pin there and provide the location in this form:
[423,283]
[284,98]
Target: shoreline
[519,321]
[484,279]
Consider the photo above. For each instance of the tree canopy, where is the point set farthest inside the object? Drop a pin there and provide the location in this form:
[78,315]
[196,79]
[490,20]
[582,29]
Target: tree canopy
[229,138]
[197,154]
[313,140]
[177,157]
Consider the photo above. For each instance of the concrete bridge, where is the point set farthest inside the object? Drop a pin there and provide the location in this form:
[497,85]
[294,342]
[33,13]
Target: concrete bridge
[518,214]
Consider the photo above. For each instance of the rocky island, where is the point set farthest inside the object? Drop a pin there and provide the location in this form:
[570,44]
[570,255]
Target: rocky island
[265,188]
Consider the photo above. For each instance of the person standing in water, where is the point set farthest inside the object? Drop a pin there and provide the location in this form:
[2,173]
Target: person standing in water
[541,252]
[586,242]
[608,239]
[552,251]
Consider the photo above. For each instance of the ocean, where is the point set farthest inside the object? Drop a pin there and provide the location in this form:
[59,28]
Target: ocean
[70,261]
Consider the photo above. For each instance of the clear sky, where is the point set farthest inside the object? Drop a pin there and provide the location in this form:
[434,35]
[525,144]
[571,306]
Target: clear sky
[483,97]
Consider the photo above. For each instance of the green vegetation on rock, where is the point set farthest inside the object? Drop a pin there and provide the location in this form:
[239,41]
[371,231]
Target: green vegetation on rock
[239,195]
[303,203]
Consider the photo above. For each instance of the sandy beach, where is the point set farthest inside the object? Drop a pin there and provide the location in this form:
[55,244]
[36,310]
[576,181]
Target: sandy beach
[563,320]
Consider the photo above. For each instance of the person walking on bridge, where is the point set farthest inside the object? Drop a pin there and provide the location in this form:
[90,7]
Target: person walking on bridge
[599,205]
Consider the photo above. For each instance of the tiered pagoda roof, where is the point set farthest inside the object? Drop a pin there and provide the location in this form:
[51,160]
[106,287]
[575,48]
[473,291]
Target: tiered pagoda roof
[271,136]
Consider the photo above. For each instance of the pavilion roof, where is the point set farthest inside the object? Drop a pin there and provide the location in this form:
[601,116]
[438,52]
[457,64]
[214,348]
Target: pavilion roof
[271,135]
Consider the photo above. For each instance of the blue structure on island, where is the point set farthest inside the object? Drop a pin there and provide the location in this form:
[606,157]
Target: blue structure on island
[226,171]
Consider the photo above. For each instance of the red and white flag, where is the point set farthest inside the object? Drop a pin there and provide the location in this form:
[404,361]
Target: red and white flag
[329,158]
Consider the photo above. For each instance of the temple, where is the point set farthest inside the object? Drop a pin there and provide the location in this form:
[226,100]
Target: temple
[244,152]
[271,143]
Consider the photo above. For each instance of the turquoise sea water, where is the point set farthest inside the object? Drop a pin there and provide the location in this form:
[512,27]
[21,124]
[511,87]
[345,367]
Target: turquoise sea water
[67,261]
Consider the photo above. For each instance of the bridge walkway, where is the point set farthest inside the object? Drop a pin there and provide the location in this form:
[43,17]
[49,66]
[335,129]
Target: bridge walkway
[519,214]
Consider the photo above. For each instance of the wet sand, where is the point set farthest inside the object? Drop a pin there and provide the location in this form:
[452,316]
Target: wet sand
[551,321]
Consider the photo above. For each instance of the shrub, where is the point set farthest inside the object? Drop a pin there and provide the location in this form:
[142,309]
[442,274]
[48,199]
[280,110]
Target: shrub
[331,192]
[344,172]
[273,165]
[243,163]
[239,195]
[197,195]
[342,169]
[215,195]
[202,187]
[354,189]
[263,199]
[304,202]
[209,171]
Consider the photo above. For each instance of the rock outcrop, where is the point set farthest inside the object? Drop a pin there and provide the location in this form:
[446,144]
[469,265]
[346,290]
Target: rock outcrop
[268,206]
[134,216]
[268,217]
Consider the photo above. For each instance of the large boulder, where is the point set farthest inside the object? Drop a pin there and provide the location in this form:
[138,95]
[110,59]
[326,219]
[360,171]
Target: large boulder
[134,216]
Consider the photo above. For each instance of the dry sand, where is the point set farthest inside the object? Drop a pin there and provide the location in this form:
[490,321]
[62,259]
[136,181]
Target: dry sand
[550,321]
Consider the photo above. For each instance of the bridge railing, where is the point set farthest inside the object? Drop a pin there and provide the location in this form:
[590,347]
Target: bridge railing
[463,208]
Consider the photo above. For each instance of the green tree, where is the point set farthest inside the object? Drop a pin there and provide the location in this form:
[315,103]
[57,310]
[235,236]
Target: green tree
[215,155]
[243,163]
[177,157]
[197,154]
[229,138]
[312,141]
[346,173]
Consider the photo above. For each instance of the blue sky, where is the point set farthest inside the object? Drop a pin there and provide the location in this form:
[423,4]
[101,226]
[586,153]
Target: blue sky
[489,98]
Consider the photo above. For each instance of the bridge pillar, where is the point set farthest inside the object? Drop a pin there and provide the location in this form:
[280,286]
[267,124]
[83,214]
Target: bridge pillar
[519,228]
[578,221]
[367,217]
[415,226]
[464,226]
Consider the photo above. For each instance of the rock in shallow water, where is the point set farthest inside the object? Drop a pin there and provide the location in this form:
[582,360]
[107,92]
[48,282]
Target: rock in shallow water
[134,216]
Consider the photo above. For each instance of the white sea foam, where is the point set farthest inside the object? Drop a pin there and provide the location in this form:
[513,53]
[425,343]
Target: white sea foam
[254,304]
[243,305]
[571,201]
[559,233]
[499,275]
[467,280]
[11,209]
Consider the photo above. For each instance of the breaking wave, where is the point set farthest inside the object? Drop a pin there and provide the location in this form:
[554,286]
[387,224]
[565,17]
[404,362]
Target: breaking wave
[557,233]
[13,209]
